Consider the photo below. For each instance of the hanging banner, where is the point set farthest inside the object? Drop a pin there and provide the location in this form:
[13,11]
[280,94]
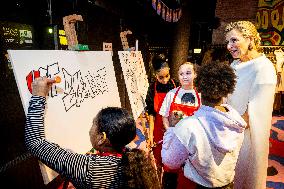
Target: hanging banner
[154,4]
[179,14]
[163,14]
[159,6]
[174,15]
[169,15]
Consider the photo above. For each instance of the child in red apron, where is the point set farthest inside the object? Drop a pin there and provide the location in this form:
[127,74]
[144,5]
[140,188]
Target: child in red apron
[179,103]
[159,129]
[154,99]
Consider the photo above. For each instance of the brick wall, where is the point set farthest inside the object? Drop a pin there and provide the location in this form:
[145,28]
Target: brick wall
[232,10]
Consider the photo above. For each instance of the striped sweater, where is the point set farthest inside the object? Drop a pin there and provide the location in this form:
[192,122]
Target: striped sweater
[84,171]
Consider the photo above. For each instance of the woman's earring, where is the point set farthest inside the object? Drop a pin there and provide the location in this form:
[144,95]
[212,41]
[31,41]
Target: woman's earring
[250,47]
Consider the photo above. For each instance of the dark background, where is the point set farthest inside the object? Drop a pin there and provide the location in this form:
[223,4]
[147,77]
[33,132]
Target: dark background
[137,15]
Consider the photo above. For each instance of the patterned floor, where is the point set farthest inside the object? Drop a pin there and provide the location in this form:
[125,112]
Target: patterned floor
[275,178]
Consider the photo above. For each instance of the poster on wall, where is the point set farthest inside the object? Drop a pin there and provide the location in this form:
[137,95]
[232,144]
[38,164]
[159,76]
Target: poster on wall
[270,22]
[135,79]
[16,35]
[87,84]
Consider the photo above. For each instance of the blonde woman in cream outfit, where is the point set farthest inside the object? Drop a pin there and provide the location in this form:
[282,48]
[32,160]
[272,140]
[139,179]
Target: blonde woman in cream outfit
[253,99]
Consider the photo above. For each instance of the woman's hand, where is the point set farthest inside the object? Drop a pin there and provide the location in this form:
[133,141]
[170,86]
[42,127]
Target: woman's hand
[245,116]
[41,86]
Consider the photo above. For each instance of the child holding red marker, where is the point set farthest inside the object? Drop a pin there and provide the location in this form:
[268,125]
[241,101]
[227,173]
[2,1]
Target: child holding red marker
[36,74]
[113,166]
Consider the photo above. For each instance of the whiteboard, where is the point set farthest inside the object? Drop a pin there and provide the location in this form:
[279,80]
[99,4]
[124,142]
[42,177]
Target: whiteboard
[135,79]
[88,83]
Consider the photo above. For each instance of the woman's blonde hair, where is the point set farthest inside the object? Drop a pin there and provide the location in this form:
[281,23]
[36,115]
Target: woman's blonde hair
[247,29]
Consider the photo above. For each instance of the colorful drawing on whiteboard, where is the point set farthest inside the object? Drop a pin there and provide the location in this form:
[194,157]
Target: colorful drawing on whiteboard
[77,87]
[50,71]
[87,84]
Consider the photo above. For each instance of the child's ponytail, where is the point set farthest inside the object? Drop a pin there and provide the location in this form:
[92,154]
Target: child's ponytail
[139,170]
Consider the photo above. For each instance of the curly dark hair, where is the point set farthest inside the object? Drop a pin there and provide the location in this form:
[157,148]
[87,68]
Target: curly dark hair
[214,81]
[118,124]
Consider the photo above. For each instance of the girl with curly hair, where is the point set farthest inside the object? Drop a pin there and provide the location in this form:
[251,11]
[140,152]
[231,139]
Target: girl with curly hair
[207,143]
[112,166]
[253,99]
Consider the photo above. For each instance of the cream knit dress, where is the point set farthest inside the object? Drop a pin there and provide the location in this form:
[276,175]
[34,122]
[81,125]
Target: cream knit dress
[254,94]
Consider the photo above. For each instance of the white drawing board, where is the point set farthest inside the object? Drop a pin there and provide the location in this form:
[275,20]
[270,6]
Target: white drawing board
[87,84]
[135,79]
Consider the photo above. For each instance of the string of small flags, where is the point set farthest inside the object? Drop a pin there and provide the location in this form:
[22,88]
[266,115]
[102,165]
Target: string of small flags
[169,15]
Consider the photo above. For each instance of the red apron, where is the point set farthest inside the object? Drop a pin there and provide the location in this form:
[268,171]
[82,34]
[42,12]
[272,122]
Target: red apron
[159,130]
[185,109]
[183,182]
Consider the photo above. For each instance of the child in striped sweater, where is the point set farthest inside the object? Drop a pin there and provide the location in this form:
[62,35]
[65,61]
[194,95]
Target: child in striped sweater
[112,167]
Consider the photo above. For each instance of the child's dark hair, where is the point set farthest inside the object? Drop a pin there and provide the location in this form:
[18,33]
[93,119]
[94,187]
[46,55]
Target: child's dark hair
[214,81]
[120,129]
[118,125]
[158,62]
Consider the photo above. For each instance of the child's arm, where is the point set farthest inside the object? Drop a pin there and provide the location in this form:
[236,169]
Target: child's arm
[166,122]
[174,153]
[62,161]
[165,109]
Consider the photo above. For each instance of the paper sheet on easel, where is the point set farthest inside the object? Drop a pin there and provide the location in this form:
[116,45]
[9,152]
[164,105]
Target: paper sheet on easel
[88,84]
[135,79]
